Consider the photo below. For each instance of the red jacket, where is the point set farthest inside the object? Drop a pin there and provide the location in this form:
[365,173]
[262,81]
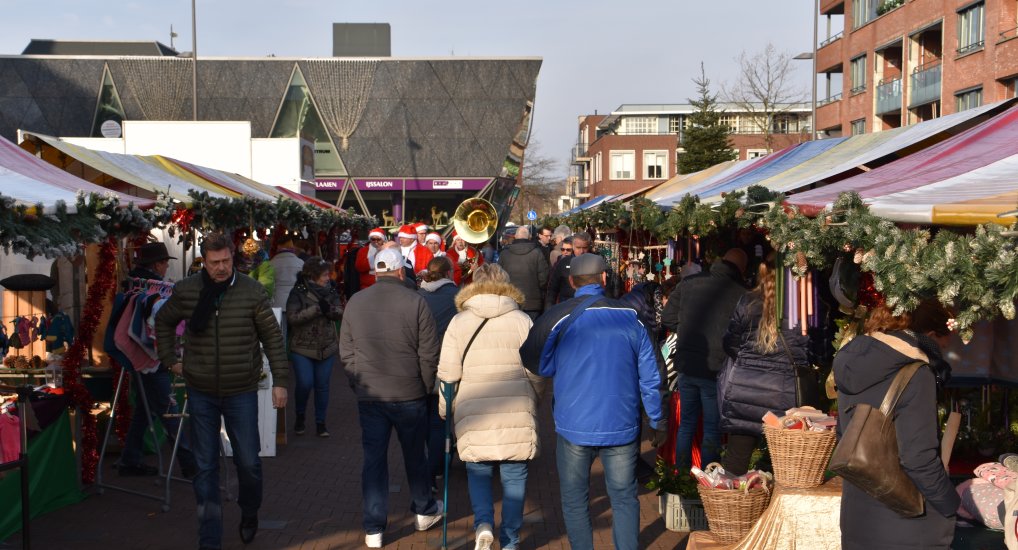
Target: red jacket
[364,271]
[472,255]
[420,255]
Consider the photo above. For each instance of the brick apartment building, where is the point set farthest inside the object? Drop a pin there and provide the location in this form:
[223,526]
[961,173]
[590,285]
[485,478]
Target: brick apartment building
[637,146]
[888,63]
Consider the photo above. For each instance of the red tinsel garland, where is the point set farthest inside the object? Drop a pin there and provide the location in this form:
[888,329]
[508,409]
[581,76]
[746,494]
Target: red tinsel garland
[123,412]
[100,289]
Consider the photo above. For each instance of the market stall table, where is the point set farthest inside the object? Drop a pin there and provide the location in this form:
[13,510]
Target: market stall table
[796,518]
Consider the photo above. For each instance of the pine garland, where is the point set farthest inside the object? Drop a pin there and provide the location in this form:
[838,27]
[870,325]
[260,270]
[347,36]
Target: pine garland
[229,214]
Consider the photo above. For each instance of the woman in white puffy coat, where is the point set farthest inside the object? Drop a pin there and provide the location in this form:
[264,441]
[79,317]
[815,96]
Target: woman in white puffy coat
[495,407]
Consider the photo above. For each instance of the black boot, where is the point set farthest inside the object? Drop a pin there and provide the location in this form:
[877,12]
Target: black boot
[248,528]
[298,427]
[322,431]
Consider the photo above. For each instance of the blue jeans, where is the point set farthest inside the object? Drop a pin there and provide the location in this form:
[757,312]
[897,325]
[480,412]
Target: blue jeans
[410,420]
[619,463]
[312,373]
[241,415]
[156,387]
[514,488]
[698,396]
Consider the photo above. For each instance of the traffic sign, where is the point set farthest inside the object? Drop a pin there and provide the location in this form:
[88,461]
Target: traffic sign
[531,215]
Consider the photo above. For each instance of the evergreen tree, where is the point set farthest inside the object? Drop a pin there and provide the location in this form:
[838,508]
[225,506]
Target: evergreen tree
[706,138]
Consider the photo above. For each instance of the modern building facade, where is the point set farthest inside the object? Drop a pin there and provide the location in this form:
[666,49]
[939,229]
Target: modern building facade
[888,63]
[410,133]
[637,146]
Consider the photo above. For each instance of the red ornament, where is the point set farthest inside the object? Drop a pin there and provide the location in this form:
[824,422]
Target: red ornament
[868,295]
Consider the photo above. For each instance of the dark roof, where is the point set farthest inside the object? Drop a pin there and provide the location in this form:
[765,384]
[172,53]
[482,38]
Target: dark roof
[423,118]
[98,47]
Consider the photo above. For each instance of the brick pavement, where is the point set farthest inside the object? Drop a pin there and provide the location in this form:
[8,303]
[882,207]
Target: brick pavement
[312,501]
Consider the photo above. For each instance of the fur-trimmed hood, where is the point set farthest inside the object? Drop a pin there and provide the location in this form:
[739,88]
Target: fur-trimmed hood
[489,298]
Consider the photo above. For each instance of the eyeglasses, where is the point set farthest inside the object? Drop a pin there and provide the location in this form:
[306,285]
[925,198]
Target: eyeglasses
[564,249]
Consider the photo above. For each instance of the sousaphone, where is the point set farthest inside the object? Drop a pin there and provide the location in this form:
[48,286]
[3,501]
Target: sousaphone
[475,220]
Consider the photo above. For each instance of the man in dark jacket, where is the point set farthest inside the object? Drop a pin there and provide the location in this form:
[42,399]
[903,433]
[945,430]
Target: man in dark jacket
[559,289]
[698,311]
[227,314]
[527,267]
[151,263]
[389,350]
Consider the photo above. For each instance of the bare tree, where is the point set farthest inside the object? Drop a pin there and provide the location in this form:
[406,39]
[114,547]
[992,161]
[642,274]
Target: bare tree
[764,90]
[541,186]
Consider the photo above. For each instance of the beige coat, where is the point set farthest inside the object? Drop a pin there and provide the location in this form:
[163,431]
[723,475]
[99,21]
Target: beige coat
[495,408]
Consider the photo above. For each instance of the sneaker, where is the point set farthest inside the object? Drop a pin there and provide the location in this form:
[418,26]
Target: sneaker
[427,522]
[321,429]
[485,538]
[137,470]
[373,540]
[298,427]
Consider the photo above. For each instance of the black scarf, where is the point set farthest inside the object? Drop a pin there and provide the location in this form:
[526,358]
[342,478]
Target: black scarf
[211,293]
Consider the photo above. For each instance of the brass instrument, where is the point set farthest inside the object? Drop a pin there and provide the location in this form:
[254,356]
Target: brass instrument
[475,220]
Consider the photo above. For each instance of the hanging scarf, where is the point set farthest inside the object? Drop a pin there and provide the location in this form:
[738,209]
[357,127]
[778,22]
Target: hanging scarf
[211,293]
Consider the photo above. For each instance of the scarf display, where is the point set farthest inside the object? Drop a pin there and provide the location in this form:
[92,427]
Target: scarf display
[211,293]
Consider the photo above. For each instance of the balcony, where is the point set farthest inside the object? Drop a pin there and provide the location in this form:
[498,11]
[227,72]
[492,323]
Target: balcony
[829,113]
[924,84]
[830,39]
[889,95]
[579,154]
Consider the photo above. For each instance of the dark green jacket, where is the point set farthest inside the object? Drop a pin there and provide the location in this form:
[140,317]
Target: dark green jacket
[226,359]
[311,332]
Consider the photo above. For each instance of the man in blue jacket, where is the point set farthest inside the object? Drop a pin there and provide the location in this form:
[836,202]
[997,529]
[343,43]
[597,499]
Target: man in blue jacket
[603,364]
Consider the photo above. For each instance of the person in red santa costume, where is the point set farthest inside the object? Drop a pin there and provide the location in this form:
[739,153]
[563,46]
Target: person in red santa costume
[416,253]
[464,259]
[422,232]
[434,243]
[366,257]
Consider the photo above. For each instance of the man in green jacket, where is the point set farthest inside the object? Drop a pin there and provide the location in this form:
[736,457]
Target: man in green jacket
[229,322]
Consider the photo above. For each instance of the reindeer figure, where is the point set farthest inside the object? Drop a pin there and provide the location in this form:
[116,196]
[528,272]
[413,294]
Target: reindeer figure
[388,220]
[439,217]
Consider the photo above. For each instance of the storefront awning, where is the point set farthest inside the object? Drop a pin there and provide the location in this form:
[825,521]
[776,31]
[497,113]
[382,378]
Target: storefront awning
[589,204]
[31,180]
[145,173]
[233,182]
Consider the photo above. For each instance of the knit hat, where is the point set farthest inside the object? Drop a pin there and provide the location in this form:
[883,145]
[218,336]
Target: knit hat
[388,260]
[377,232]
[455,237]
[433,237]
[407,232]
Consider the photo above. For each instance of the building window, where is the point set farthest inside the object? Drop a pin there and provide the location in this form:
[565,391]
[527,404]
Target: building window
[864,11]
[623,165]
[676,123]
[755,153]
[639,125]
[858,68]
[971,27]
[655,165]
[858,126]
[968,99]
[732,121]
[597,167]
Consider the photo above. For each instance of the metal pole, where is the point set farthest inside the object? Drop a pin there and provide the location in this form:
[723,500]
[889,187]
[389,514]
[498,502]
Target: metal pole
[194,63]
[813,77]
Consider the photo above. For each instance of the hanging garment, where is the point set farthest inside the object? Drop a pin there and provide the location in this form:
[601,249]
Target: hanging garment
[4,341]
[10,437]
[139,358]
[60,332]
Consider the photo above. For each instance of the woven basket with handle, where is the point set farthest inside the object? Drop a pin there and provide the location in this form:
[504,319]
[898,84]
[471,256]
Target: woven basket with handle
[731,513]
[799,457]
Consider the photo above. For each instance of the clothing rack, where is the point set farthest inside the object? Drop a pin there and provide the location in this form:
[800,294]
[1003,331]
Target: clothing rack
[22,462]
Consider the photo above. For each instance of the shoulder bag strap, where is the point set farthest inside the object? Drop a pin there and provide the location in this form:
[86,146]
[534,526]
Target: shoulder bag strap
[784,344]
[471,342]
[574,314]
[898,387]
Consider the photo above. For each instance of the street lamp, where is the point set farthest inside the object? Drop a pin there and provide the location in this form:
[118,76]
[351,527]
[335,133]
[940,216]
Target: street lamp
[194,63]
[812,55]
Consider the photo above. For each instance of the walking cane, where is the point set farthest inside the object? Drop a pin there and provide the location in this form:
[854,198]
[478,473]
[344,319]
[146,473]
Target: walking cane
[447,392]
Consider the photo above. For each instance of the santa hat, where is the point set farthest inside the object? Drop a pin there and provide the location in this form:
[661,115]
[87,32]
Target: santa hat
[455,236]
[433,237]
[407,232]
[421,227]
[377,232]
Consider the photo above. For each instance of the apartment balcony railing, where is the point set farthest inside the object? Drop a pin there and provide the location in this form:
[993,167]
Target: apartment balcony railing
[924,84]
[889,95]
[830,39]
[1009,34]
[825,101]
[579,152]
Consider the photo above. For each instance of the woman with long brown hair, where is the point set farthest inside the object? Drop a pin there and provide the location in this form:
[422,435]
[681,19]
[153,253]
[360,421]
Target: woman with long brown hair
[759,376]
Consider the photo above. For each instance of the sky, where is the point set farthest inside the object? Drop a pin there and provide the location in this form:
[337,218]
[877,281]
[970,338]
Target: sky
[597,54]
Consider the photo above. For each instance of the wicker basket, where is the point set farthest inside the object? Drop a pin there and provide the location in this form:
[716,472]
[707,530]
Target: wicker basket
[731,513]
[799,457]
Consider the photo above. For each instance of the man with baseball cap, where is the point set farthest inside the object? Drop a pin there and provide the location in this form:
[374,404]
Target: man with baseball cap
[603,364]
[389,349]
[413,250]
[366,257]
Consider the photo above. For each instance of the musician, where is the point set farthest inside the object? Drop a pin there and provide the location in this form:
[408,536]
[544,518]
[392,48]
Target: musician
[465,260]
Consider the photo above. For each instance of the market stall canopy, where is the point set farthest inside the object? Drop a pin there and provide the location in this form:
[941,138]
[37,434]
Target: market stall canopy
[228,180]
[30,180]
[143,172]
[734,170]
[633,194]
[780,161]
[681,181]
[965,180]
[856,152]
[589,204]
[304,198]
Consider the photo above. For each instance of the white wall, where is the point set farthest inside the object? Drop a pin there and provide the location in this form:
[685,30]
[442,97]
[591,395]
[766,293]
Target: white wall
[276,161]
[222,145]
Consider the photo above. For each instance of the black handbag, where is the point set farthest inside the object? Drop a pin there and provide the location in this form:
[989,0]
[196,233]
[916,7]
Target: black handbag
[807,379]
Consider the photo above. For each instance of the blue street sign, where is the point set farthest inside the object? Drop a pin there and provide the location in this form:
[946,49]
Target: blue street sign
[531,215]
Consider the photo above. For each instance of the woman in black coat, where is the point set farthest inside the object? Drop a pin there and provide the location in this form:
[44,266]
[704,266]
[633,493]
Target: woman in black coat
[864,369]
[759,376]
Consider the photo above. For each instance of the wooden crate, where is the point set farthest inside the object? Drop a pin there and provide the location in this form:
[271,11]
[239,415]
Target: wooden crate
[24,303]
